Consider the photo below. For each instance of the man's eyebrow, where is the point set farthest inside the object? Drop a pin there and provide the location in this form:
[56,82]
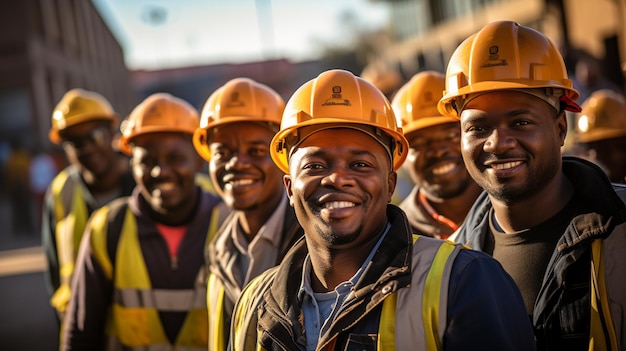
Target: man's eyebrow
[319,152]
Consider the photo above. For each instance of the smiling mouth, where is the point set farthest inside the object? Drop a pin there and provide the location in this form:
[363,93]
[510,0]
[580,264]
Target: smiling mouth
[443,169]
[241,182]
[165,187]
[506,165]
[338,204]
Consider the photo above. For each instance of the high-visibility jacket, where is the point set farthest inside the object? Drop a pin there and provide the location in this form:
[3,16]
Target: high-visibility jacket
[69,205]
[130,289]
[223,288]
[582,302]
[429,295]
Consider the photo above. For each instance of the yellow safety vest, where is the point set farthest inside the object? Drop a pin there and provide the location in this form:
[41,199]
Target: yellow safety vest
[69,229]
[134,319]
[602,334]
[216,318]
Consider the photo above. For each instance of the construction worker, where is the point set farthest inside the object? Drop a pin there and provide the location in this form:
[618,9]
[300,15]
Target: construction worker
[140,279]
[237,124]
[84,123]
[359,278]
[601,132]
[556,224]
[443,192]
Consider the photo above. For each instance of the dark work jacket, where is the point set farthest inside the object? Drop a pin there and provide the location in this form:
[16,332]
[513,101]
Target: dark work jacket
[561,316]
[484,308]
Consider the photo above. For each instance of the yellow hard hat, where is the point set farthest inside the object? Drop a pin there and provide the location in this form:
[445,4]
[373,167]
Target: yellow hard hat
[603,116]
[78,106]
[337,98]
[239,100]
[415,104]
[504,55]
[160,112]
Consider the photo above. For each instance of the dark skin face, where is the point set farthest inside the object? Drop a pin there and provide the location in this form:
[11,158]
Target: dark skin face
[88,146]
[435,163]
[611,155]
[164,166]
[246,177]
[511,147]
[340,193]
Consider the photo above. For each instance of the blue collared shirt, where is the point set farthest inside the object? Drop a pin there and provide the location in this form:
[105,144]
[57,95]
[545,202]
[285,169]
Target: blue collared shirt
[320,309]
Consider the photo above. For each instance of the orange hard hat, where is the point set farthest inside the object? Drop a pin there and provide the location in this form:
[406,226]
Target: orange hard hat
[78,106]
[603,116]
[504,55]
[239,100]
[338,98]
[158,113]
[415,104]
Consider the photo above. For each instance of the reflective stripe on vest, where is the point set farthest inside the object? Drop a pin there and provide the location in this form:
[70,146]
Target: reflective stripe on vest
[216,292]
[69,229]
[135,319]
[602,334]
[434,303]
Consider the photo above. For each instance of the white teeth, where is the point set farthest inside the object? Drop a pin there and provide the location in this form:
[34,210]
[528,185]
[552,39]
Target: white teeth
[339,204]
[166,186]
[443,169]
[240,182]
[506,165]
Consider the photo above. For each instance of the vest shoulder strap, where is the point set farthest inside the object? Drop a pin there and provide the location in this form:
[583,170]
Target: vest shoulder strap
[106,227]
[56,187]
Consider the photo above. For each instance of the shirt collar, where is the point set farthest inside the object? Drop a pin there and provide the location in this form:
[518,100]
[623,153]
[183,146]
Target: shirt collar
[270,231]
[307,269]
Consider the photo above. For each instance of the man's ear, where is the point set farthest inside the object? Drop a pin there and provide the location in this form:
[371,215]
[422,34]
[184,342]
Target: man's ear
[392,180]
[287,183]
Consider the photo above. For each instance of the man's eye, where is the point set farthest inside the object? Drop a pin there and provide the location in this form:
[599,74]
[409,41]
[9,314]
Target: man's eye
[312,166]
[258,152]
[476,129]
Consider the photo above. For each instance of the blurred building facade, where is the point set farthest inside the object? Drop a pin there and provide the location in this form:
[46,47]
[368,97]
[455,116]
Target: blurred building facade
[426,32]
[48,47]
[196,83]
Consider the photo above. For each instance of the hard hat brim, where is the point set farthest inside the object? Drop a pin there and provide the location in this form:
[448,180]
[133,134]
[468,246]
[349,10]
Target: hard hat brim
[280,155]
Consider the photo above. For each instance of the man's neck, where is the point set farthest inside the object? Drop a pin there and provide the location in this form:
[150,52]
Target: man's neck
[332,267]
[536,209]
[252,220]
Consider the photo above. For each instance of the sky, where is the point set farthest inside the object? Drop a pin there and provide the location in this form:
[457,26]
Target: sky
[173,33]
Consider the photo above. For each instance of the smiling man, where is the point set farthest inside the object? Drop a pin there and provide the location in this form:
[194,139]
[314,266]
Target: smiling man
[359,279]
[84,123]
[237,125]
[443,192]
[140,280]
[556,224]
